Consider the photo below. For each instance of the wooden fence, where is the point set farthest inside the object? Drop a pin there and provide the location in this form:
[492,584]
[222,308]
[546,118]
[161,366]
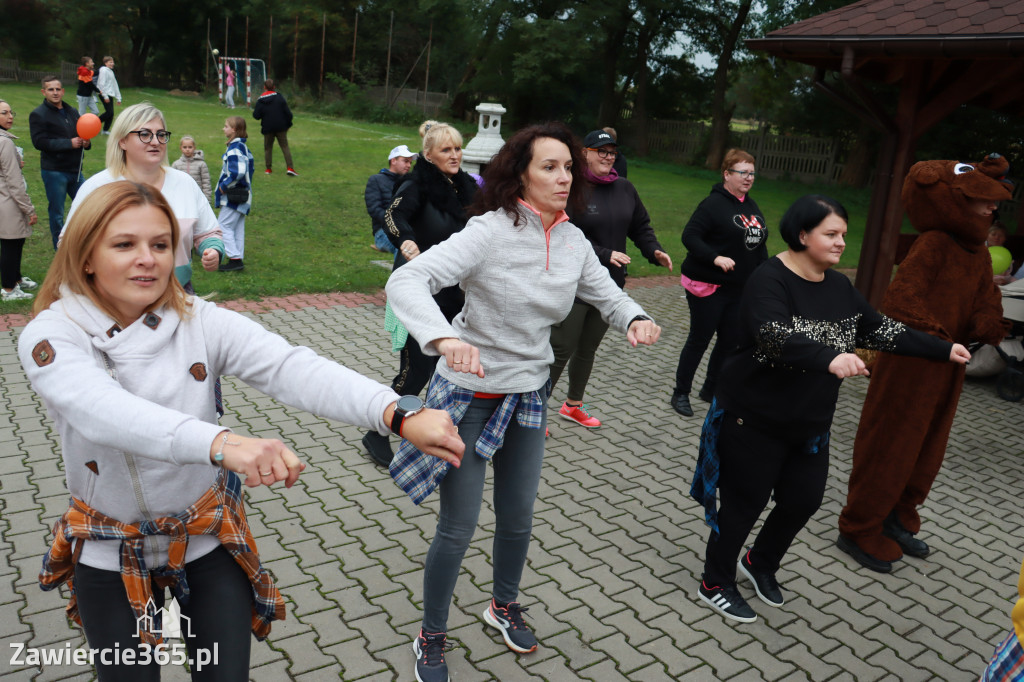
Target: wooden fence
[10,70]
[809,159]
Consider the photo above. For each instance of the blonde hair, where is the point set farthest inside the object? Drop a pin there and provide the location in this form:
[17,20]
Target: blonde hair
[426,125]
[86,228]
[128,120]
[184,138]
[438,134]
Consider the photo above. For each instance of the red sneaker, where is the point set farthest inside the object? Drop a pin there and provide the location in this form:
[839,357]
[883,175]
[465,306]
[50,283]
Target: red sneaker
[291,172]
[579,414]
[267,172]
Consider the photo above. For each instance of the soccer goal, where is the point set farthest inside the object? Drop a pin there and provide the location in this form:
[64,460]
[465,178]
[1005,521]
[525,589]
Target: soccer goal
[249,77]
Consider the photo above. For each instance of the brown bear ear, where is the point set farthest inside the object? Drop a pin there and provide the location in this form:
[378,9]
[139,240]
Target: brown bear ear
[994,166]
[926,172]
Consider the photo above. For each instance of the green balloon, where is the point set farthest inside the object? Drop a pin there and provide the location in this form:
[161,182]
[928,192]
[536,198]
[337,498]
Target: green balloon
[1001,259]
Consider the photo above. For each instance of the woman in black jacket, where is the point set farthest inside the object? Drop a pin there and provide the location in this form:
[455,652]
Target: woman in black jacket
[428,207]
[725,242]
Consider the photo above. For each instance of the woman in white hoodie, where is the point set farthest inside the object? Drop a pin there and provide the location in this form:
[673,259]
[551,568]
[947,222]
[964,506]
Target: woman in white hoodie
[125,363]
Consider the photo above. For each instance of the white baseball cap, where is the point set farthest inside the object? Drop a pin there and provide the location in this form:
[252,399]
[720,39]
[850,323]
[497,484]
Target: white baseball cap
[400,150]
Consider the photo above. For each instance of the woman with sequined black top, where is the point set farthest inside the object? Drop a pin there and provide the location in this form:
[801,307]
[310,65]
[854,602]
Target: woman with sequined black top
[768,427]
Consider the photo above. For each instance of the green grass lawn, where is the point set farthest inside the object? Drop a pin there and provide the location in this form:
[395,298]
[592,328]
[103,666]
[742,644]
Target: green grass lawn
[312,233]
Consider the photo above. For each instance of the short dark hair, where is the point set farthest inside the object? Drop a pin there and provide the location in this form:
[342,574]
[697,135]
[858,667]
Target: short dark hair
[86,59]
[502,176]
[269,84]
[49,78]
[805,214]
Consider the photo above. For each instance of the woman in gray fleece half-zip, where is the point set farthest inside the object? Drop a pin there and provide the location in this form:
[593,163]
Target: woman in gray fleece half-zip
[520,262]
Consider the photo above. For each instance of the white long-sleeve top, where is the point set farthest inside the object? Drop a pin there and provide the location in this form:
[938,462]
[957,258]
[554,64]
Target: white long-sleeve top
[138,446]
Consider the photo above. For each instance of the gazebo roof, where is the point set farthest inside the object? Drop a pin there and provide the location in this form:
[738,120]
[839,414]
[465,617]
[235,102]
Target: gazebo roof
[885,31]
[940,54]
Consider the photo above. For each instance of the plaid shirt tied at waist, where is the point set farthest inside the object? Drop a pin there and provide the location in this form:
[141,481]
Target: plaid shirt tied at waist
[418,473]
[218,512]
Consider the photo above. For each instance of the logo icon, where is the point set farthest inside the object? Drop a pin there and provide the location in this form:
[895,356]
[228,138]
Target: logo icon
[166,622]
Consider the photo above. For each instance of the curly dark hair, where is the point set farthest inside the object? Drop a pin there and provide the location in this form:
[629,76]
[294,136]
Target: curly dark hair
[503,185]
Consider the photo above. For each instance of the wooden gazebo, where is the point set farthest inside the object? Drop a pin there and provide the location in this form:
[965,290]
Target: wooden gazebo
[941,54]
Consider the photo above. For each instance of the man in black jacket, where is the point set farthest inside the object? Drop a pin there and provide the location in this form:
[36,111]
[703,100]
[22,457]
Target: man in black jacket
[275,119]
[53,127]
[379,190]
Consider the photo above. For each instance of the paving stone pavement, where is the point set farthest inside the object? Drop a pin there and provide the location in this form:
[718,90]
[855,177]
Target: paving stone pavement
[617,547]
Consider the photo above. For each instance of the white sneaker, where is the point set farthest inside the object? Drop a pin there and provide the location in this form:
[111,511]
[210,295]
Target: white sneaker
[15,294]
[26,284]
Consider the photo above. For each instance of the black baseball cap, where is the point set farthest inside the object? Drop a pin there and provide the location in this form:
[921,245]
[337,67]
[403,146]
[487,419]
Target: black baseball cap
[598,138]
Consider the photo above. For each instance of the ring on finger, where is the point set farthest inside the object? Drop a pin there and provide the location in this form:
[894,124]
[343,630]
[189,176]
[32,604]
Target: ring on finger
[266,473]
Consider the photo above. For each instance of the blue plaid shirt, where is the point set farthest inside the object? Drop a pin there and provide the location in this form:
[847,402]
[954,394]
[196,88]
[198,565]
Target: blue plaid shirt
[418,473]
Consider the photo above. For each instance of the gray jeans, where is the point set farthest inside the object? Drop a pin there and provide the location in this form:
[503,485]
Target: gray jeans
[516,479]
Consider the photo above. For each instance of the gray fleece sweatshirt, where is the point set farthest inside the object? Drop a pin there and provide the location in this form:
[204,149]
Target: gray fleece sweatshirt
[518,282]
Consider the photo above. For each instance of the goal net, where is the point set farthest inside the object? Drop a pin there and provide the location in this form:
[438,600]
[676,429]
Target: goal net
[249,75]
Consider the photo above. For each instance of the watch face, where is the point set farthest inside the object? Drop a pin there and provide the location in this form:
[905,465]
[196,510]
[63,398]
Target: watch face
[409,403]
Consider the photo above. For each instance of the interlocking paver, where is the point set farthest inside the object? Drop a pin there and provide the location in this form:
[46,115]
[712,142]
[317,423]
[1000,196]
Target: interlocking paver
[618,545]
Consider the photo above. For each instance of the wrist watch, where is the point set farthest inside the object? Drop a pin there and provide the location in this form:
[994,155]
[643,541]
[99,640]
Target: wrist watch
[407,406]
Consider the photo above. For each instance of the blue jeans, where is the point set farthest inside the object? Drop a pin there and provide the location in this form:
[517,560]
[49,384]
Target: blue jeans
[383,243]
[516,479]
[58,184]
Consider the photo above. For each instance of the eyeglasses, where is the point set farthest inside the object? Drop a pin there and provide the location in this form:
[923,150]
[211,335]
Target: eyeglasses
[146,135]
[742,174]
[9,111]
[605,153]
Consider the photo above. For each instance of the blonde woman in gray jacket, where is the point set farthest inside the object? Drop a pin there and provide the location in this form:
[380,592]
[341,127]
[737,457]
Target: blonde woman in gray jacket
[17,215]
[521,263]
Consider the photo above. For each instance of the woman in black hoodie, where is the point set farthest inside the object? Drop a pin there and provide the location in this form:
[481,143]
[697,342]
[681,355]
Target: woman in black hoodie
[428,207]
[725,241]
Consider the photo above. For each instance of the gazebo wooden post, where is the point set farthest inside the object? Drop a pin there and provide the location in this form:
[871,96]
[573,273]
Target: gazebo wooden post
[873,285]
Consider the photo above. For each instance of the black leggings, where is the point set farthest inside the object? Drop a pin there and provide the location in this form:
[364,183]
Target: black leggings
[10,261]
[107,117]
[753,466]
[719,313]
[219,612]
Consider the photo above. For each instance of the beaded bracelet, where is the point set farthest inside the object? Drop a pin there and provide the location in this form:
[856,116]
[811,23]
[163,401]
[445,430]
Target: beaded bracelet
[218,457]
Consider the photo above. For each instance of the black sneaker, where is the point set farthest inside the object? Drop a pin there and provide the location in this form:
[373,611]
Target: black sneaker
[863,558]
[379,448]
[893,529]
[727,601]
[765,584]
[233,265]
[430,649]
[509,620]
[681,404]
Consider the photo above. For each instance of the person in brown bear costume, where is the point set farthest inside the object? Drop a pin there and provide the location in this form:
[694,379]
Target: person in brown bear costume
[943,287]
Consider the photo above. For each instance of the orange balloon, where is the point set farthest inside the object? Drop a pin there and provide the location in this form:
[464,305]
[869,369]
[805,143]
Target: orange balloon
[88,126]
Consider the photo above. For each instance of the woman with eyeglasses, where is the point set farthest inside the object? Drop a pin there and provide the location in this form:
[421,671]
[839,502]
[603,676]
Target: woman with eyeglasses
[725,241]
[17,215]
[613,211]
[137,151]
